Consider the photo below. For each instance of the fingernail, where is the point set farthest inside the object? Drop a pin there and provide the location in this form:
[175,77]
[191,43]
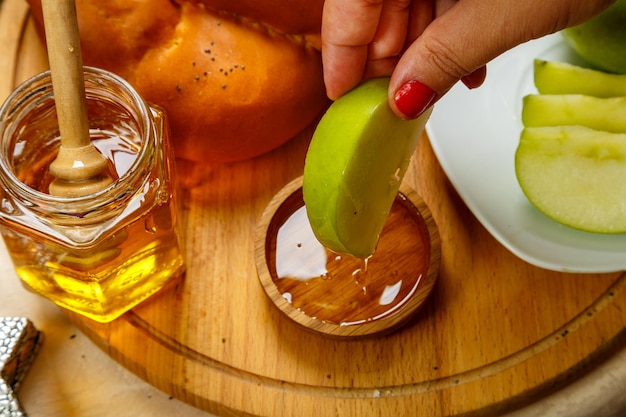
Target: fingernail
[467,82]
[413,98]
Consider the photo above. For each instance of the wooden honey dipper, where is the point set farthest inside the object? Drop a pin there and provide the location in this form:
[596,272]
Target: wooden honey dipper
[79,168]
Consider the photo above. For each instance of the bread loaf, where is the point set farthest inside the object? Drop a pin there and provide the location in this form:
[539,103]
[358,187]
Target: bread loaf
[236,78]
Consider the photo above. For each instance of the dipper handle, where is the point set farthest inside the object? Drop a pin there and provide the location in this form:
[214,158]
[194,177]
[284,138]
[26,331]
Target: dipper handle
[79,168]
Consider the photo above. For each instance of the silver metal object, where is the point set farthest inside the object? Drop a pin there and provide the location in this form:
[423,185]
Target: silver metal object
[19,343]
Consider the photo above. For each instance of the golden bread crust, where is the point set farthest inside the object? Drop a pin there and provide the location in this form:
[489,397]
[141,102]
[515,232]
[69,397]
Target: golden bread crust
[233,87]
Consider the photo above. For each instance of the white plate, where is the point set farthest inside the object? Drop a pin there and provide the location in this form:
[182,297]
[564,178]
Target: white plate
[474,134]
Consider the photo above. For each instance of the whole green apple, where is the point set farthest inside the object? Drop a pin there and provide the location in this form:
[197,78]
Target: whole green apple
[601,41]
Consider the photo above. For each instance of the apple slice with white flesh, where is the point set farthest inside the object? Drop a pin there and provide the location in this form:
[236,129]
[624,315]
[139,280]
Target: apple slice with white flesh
[575,109]
[553,77]
[575,175]
[355,163]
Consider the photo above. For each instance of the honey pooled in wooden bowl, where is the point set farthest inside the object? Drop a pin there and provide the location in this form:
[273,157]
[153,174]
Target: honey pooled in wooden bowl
[339,295]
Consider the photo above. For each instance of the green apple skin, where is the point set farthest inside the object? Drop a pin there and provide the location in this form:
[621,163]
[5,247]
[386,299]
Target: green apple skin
[355,163]
[601,41]
[575,109]
[575,175]
[553,77]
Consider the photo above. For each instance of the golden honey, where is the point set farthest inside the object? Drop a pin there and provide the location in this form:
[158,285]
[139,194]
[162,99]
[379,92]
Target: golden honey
[98,255]
[342,291]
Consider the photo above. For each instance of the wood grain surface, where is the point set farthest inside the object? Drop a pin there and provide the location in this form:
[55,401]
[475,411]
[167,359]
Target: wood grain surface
[496,333]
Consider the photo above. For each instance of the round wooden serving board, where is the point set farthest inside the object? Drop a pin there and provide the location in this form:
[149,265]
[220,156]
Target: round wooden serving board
[496,333]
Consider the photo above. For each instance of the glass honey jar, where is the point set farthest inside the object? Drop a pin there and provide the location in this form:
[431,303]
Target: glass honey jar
[101,254]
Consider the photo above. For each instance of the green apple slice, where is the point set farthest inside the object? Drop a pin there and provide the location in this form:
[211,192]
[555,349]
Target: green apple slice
[574,109]
[355,163]
[575,175]
[562,78]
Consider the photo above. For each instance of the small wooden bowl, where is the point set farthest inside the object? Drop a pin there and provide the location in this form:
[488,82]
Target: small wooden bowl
[396,285]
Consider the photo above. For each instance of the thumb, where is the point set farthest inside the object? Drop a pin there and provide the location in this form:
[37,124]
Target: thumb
[458,44]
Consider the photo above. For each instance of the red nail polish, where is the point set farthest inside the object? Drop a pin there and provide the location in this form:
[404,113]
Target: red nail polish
[467,82]
[413,98]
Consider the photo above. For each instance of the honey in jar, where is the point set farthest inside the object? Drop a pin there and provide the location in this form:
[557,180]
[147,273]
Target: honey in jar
[101,254]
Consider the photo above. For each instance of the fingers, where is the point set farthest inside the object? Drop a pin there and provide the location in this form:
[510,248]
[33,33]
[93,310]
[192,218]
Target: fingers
[344,67]
[448,40]
[393,24]
[361,39]
[459,42]
[454,45]
[390,38]
[348,27]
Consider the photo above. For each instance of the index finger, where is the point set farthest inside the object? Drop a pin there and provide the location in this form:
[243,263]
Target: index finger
[348,27]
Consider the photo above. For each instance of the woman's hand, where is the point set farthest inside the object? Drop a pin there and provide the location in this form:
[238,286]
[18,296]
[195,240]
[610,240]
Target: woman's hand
[428,45]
